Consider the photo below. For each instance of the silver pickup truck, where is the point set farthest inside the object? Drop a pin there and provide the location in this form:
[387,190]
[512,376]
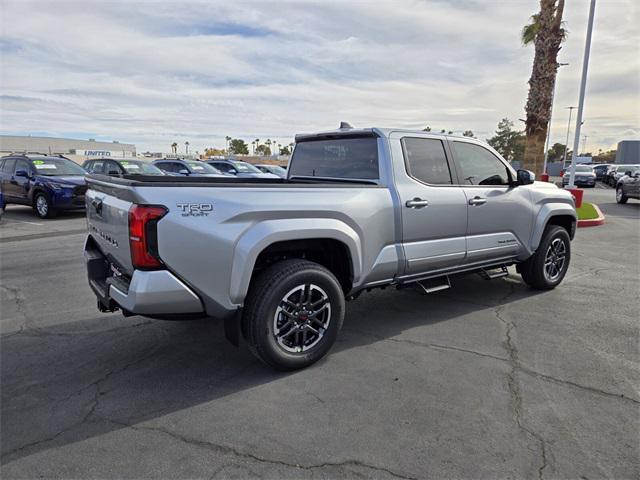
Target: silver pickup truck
[360,208]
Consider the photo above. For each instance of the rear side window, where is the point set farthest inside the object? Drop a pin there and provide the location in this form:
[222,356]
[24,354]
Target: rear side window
[336,158]
[479,166]
[9,163]
[426,160]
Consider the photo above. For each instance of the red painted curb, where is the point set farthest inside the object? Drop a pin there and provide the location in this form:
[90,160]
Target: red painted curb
[593,222]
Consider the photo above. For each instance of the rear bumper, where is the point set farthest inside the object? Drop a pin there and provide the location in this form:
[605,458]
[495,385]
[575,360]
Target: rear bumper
[156,293]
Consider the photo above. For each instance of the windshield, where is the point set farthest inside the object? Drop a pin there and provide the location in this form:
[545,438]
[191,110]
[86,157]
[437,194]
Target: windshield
[583,168]
[277,170]
[53,167]
[244,167]
[140,168]
[201,167]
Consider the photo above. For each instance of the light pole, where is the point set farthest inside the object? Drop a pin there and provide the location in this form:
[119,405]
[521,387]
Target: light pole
[566,143]
[583,84]
[553,95]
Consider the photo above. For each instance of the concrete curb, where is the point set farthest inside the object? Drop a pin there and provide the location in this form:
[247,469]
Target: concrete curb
[593,222]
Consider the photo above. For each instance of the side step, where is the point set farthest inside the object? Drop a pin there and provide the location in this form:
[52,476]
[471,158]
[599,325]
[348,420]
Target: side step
[494,273]
[433,285]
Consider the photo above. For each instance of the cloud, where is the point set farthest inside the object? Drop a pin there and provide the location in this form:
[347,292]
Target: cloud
[157,72]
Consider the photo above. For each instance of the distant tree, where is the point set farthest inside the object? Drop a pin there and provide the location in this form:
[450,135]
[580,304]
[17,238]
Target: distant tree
[285,150]
[556,152]
[186,147]
[507,141]
[467,133]
[238,147]
[450,132]
[226,140]
[426,129]
[174,148]
[443,131]
[214,152]
[263,150]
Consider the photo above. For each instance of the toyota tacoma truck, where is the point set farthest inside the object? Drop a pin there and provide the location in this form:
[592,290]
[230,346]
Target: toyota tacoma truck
[276,259]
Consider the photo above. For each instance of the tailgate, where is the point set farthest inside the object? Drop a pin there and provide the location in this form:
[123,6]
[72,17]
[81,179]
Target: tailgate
[108,224]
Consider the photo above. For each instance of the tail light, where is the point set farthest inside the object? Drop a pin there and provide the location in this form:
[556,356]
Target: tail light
[143,236]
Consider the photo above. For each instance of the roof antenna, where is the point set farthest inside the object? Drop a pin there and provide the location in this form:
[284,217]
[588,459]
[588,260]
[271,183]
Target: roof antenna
[345,126]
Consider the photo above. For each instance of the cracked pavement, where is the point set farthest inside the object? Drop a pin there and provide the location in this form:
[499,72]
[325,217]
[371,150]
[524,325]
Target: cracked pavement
[486,380]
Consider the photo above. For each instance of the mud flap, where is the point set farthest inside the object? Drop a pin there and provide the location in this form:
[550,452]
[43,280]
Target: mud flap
[232,326]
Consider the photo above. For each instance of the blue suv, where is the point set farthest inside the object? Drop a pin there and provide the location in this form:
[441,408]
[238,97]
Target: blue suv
[48,184]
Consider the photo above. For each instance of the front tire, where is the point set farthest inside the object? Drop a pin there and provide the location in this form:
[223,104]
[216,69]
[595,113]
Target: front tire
[546,268]
[292,314]
[42,206]
[620,196]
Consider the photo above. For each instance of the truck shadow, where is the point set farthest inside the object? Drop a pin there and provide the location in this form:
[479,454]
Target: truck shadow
[80,380]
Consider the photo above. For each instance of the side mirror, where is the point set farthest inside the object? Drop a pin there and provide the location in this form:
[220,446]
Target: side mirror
[182,171]
[22,173]
[233,171]
[525,177]
[628,173]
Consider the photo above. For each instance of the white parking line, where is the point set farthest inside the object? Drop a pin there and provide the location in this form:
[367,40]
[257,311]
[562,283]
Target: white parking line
[13,220]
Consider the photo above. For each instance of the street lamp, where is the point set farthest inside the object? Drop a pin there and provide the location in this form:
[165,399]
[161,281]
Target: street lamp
[553,94]
[583,84]
[566,143]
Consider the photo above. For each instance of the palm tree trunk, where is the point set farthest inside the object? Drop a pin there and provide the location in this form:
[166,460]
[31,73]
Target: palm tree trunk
[545,68]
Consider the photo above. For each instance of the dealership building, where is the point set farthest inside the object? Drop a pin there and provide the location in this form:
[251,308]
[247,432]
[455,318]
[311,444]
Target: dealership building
[77,150]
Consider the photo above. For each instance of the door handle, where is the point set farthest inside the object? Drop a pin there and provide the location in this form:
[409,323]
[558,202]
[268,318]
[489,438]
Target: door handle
[417,203]
[477,201]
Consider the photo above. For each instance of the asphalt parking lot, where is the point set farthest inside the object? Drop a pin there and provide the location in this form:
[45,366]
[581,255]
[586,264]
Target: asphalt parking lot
[487,380]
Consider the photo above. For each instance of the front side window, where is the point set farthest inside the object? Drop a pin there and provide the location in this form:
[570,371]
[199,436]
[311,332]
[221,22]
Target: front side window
[426,160]
[479,166]
[244,167]
[224,167]
[96,167]
[354,158]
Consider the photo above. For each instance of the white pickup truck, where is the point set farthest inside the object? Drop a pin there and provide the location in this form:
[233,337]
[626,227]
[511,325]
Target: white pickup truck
[360,208]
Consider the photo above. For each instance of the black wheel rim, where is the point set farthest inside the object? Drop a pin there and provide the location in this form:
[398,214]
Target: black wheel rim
[555,259]
[302,318]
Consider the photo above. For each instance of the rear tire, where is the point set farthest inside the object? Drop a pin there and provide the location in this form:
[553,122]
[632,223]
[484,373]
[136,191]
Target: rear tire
[546,268]
[292,314]
[42,205]
[620,196]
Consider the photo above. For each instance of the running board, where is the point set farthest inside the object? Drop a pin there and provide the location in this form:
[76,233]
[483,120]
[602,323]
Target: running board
[434,285]
[491,274]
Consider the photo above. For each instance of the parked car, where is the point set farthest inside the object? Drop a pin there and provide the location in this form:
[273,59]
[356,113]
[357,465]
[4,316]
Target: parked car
[360,209]
[239,169]
[275,169]
[46,183]
[606,178]
[601,170]
[620,172]
[584,177]
[187,168]
[118,167]
[628,186]
[1,204]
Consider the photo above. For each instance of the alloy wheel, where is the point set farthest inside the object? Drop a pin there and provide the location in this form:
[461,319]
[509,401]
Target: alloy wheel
[555,259]
[302,318]
[42,206]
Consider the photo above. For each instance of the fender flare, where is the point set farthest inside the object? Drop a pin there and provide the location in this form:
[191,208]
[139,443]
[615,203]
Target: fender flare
[254,240]
[548,211]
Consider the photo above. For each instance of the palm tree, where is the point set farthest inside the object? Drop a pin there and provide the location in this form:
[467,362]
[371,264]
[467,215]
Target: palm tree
[546,33]
[174,147]
[253,147]
[227,139]
[186,148]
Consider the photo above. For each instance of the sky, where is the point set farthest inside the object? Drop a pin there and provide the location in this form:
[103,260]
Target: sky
[152,73]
